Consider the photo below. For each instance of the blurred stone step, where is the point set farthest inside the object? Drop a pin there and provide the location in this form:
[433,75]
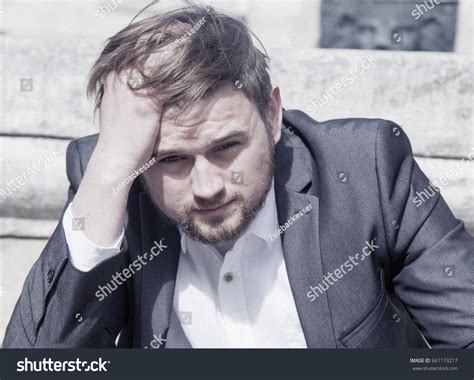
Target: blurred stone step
[27,228]
[434,108]
[33,181]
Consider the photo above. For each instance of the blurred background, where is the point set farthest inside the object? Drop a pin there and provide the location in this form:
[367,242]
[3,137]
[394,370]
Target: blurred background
[411,62]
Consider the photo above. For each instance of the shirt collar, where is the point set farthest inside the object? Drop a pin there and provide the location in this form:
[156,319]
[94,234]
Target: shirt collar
[264,224]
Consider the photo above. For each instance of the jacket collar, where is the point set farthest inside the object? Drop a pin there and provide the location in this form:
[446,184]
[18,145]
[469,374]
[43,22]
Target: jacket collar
[296,188]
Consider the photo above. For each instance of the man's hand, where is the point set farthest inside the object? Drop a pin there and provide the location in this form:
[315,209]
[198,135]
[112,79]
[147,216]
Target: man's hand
[129,124]
[129,127]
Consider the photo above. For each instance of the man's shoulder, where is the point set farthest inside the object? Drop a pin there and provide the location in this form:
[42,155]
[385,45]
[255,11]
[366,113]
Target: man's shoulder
[350,136]
[349,127]
[355,145]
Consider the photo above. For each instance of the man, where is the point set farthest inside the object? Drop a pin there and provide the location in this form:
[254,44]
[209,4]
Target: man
[203,215]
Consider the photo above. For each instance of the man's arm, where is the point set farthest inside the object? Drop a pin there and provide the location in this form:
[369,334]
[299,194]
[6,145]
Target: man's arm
[58,307]
[431,252]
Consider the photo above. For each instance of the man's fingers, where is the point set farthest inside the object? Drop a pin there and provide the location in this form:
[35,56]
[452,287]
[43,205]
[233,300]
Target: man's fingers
[122,88]
[134,79]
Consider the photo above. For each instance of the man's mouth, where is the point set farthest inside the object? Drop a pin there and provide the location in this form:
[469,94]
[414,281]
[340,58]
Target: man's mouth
[212,209]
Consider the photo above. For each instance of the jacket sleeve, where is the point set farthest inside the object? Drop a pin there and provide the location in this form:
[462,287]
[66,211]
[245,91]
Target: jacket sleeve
[58,307]
[431,253]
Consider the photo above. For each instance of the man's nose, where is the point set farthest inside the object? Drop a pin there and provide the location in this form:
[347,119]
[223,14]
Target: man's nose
[206,178]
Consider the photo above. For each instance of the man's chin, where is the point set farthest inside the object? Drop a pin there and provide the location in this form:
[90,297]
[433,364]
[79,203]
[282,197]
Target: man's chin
[213,233]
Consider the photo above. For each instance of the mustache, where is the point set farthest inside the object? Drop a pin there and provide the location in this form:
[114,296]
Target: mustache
[215,202]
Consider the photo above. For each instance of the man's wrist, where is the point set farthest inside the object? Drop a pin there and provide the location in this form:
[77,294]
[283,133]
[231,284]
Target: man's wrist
[109,172]
[84,253]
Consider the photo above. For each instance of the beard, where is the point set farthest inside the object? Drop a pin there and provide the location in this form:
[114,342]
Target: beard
[220,228]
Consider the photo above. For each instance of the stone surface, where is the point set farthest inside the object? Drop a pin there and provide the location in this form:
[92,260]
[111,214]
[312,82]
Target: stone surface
[55,102]
[271,20]
[430,94]
[33,181]
[27,228]
[389,24]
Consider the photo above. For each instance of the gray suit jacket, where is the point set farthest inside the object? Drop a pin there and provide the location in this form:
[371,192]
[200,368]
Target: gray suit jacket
[361,179]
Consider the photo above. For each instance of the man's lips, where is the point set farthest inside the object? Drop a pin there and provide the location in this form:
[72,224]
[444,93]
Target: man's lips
[214,208]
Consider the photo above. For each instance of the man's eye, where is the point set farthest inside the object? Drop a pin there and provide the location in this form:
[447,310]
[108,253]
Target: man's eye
[172,159]
[228,146]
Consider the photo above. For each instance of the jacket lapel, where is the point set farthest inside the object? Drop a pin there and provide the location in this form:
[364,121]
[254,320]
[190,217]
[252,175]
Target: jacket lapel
[295,189]
[158,276]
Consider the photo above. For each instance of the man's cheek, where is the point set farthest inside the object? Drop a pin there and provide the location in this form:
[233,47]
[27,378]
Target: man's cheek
[173,195]
[154,181]
[247,167]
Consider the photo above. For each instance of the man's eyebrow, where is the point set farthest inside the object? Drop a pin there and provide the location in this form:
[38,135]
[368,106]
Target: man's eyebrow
[233,135]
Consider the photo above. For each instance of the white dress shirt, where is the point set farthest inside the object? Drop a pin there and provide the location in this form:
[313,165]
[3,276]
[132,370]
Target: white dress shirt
[241,299]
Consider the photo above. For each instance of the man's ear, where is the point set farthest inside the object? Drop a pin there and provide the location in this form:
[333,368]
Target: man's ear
[275,113]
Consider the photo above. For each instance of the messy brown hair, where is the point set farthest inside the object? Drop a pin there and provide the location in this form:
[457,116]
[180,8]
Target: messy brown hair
[219,51]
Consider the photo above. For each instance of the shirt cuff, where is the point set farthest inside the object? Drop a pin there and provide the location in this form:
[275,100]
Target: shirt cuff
[84,254]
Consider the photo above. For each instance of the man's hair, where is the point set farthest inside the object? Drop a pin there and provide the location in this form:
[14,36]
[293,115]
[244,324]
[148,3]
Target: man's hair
[184,56]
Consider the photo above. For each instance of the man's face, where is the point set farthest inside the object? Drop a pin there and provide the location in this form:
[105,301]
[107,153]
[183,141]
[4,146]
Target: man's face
[214,165]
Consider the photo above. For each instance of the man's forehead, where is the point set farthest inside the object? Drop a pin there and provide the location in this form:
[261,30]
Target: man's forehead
[197,116]
[227,108]
[227,113]
[223,105]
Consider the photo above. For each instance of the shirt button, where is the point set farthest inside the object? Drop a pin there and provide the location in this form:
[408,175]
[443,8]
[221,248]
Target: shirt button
[50,275]
[228,277]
